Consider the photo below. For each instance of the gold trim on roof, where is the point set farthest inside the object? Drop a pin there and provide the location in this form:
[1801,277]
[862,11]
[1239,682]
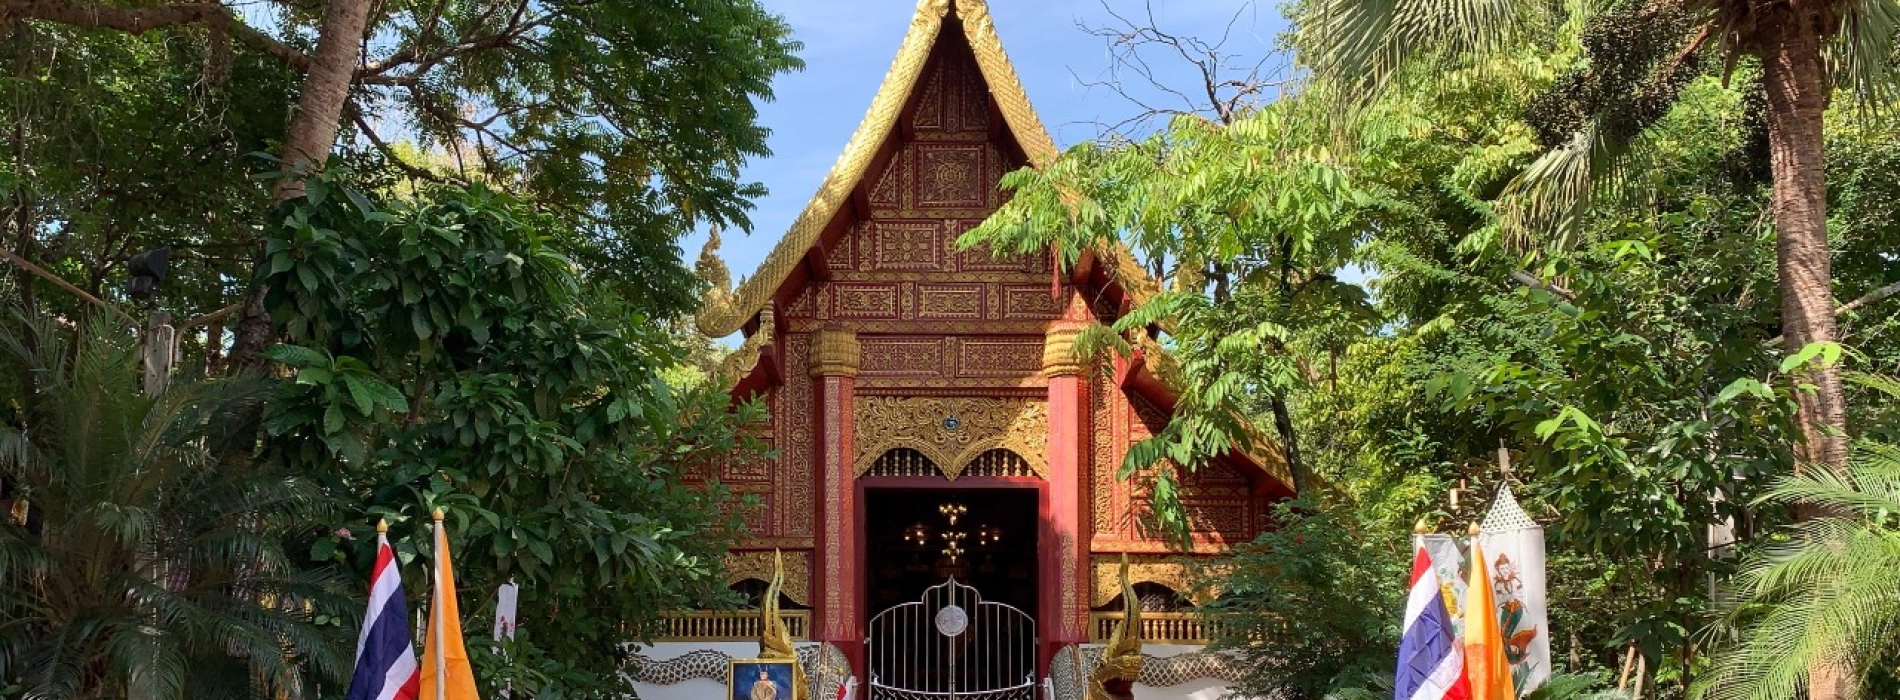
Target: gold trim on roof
[722,314]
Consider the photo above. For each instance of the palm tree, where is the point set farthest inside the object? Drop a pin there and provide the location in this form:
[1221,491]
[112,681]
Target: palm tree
[1640,54]
[1826,595]
[132,562]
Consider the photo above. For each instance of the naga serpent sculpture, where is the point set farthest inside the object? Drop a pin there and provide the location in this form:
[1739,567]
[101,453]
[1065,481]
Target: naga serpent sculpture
[775,642]
[1114,678]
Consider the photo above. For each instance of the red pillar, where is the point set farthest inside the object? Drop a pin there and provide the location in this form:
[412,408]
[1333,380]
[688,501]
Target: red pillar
[834,369]
[1063,569]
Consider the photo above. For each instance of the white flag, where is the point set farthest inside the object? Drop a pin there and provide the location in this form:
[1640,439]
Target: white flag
[1514,546]
[505,610]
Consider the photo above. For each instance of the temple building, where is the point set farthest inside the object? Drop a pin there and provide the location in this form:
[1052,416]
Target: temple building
[938,444]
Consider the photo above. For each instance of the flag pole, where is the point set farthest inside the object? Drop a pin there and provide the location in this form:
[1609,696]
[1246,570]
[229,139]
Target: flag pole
[441,640]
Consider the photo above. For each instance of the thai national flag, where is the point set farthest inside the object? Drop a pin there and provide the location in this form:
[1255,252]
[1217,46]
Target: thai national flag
[385,660]
[1431,665]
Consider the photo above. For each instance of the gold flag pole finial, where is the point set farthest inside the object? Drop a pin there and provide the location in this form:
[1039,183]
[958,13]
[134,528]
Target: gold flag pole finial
[1473,530]
[382,526]
[1420,527]
[438,514]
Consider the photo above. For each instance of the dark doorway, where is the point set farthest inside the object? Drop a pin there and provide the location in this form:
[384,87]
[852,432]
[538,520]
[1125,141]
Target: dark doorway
[909,535]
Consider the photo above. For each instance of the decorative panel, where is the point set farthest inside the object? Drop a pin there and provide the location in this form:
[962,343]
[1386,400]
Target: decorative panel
[989,358]
[865,301]
[951,431]
[1029,302]
[900,356]
[950,301]
[907,246]
[951,175]
[796,477]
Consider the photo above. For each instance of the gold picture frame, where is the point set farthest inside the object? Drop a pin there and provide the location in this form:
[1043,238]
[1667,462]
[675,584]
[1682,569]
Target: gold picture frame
[744,675]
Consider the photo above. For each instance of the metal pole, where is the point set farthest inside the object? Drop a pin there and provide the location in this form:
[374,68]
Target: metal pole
[435,611]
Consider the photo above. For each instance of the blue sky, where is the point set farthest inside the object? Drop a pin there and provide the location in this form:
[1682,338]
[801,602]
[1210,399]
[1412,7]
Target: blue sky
[849,45]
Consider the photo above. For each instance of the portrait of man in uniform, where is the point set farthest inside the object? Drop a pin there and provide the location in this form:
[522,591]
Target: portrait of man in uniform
[760,679]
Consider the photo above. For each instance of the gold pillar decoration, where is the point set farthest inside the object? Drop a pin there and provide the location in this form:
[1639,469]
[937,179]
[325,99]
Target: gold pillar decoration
[1058,352]
[1114,678]
[834,353]
[775,642]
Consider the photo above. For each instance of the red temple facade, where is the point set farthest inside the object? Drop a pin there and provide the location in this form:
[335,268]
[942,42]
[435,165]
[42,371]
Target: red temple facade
[906,377]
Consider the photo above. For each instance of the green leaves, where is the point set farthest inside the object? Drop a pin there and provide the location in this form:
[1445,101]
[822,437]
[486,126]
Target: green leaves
[460,361]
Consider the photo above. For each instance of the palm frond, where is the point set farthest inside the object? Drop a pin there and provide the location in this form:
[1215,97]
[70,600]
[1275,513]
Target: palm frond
[1864,58]
[1365,44]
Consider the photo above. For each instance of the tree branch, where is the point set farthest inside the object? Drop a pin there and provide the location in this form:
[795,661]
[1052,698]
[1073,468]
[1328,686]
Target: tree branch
[1869,298]
[61,283]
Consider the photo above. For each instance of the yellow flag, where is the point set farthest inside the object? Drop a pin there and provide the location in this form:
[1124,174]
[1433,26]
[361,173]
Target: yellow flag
[446,673]
[1485,666]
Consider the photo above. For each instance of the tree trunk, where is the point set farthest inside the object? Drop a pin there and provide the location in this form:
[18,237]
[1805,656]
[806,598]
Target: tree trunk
[1797,88]
[307,143]
[1283,424]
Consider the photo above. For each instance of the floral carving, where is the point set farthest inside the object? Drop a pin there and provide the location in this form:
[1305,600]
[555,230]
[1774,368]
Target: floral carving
[951,431]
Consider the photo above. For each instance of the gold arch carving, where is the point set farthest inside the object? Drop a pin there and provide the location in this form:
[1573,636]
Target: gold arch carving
[885,423]
[758,566]
[1177,575]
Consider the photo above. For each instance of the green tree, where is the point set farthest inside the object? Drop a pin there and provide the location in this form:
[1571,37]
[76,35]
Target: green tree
[627,120]
[132,558]
[1638,57]
[1822,593]
[447,353]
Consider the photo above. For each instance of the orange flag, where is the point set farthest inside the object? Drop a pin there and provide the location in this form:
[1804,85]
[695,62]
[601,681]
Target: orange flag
[446,673]
[1485,666]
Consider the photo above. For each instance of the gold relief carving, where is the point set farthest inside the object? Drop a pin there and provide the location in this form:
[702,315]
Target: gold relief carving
[1026,385]
[1179,576]
[944,327]
[906,357]
[865,301]
[834,352]
[758,566]
[842,256]
[836,485]
[987,358]
[797,479]
[1058,352]
[930,106]
[1029,302]
[885,423]
[908,246]
[1103,424]
[950,301]
[949,175]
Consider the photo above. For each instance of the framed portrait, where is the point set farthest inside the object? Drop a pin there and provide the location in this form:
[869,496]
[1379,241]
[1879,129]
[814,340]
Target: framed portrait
[759,679]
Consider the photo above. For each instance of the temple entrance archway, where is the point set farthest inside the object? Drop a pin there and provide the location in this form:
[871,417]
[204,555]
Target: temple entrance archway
[929,545]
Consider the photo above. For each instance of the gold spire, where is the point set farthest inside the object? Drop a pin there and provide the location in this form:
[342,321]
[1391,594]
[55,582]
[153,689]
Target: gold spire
[1121,656]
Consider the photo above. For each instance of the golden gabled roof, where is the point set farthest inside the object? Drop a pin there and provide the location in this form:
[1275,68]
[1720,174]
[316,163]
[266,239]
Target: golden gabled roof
[723,314]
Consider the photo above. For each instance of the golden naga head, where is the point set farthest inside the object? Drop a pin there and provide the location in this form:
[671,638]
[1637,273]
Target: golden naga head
[1114,678]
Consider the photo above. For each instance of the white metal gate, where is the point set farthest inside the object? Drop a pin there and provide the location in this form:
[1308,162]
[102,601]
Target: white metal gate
[952,645]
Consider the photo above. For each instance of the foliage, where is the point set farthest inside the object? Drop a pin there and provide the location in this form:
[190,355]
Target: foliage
[142,560]
[627,121]
[1318,590]
[446,353]
[1824,589]
[1246,222]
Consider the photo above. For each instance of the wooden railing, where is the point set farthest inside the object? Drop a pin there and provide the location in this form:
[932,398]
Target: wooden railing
[726,626]
[1156,627]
